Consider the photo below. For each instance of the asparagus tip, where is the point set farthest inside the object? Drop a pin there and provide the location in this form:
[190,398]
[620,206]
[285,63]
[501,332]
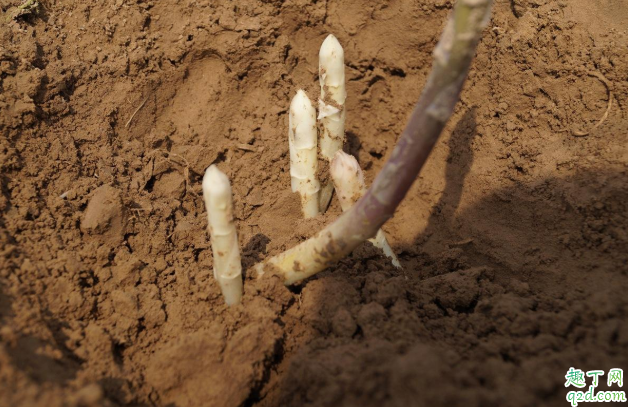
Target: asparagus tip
[215,182]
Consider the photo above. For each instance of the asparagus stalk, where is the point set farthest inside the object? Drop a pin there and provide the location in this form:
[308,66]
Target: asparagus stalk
[222,231]
[349,183]
[452,58]
[331,106]
[303,160]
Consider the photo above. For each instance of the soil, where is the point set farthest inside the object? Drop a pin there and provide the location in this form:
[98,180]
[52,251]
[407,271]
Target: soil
[513,241]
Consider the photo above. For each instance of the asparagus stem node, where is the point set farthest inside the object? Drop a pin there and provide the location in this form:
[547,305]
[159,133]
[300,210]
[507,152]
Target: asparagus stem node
[302,136]
[223,235]
[452,59]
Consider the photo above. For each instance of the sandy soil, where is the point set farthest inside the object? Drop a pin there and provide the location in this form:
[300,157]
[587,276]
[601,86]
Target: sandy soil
[514,240]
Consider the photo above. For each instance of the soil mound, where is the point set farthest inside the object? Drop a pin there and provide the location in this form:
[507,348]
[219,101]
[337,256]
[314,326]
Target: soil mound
[514,240]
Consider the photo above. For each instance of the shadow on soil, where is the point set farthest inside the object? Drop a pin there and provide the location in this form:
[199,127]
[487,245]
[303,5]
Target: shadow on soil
[527,255]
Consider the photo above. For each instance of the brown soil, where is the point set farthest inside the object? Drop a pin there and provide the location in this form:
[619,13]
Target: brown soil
[514,240]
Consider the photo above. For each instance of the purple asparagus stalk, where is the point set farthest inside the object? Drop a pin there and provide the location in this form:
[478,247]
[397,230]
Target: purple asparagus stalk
[452,59]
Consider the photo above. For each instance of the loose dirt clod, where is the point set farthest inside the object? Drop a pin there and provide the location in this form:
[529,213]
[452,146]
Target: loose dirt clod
[24,9]
[105,215]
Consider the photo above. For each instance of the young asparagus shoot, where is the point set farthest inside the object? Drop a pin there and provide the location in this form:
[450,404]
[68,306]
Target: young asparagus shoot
[331,105]
[222,231]
[350,186]
[452,59]
[303,153]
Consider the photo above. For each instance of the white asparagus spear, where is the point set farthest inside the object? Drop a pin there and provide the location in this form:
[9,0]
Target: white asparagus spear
[429,117]
[331,105]
[350,186]
[302,136]
[222,231]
